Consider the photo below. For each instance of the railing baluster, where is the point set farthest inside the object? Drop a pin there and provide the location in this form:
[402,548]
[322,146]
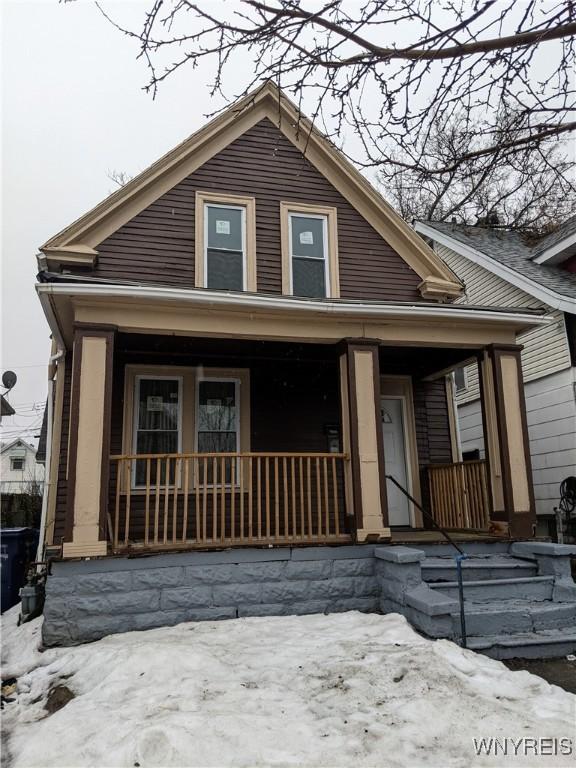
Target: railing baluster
[177,463]
[294,529]
[318,498]
[326,498]
[285,485]
[335,496]
[205,499]
[267,468]
[233,471]
[309,489]
[157,502]
[147,505]
[185,500]
[214,498]
[128,490]
[258,493]
[302,510]
[223,499]
[242,465]
[196,481]
[119,473]
[166,500]
[276,499]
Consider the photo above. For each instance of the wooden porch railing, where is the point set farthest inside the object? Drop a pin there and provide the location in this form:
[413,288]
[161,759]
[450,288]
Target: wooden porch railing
[199,500]
[459,495]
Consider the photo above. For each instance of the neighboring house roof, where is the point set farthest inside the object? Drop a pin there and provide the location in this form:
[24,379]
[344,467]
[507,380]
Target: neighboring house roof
[507,255]
[558,245]
[17,441]
[77,245]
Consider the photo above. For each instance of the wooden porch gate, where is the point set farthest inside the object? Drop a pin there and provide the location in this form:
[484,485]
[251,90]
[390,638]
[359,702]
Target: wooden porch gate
[459,496]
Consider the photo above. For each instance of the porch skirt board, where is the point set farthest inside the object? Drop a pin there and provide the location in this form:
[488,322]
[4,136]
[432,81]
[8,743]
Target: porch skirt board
[86,600]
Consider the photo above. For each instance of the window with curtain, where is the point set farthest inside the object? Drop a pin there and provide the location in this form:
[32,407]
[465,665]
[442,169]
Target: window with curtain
[225,246]
[157,422]
[308,255]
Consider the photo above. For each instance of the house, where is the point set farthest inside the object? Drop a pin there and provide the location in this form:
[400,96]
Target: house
[249,362]
[21,483]
[501,268]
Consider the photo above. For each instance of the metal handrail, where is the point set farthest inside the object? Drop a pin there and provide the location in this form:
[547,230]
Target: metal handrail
[458,558]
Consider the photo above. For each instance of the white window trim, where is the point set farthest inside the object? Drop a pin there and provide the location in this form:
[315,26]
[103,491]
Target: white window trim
[226,206]
[136,402]
[325,249]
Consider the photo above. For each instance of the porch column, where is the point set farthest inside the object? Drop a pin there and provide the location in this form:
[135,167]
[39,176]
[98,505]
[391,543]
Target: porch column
[506,440]
[88,458]
[362,438]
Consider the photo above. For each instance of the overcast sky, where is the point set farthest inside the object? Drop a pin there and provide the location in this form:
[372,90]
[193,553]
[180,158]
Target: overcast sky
[73,108]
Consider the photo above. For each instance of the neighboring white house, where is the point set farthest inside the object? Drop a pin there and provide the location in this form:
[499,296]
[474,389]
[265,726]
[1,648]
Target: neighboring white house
[499,268]
[19,470]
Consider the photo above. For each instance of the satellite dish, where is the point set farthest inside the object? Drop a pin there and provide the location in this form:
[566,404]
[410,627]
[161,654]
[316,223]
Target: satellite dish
[9,378]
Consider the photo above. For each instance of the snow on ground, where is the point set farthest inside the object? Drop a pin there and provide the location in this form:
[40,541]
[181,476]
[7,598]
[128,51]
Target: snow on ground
[341,690]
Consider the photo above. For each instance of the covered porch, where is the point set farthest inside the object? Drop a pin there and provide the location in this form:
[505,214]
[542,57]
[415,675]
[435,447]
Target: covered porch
[284,432]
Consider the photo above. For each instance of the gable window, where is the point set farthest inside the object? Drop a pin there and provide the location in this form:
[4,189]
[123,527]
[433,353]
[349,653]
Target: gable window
[157,421]
[17,463]
[309,251]
[225,252]
[308,255]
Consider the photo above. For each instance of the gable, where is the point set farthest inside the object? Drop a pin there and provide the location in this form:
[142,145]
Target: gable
[78,244]
[157,245]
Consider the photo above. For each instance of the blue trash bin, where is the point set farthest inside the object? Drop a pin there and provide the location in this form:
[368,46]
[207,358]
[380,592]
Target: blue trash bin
[17,549]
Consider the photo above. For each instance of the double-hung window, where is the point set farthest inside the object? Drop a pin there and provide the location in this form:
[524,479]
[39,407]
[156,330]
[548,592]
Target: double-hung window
[157,422]
[218,419]
[309,255]
[225,246]
[309,235]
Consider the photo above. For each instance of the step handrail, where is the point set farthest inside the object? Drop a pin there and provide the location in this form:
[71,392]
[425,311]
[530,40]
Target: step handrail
[426,514]
[458,558]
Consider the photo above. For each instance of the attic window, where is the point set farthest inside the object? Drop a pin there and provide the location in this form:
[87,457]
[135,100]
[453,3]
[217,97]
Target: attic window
[16,463]
[309,251]
[225,252]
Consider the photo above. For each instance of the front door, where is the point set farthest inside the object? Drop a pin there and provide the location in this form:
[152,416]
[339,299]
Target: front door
[393,431]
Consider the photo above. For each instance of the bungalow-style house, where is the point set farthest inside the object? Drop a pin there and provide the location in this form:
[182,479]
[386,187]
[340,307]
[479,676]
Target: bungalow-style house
[250,350]
[503,269]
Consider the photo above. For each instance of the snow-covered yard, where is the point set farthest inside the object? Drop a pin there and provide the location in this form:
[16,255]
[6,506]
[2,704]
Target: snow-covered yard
[340,690]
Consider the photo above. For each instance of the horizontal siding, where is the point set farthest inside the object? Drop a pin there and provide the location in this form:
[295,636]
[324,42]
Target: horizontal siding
[546,348]
[551,417]
[157,245]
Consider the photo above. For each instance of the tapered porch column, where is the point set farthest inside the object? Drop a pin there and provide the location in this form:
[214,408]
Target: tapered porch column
[506,440]
[88,459]
[362,438]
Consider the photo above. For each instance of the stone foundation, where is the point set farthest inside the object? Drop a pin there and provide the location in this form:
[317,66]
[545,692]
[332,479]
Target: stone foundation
[88,599]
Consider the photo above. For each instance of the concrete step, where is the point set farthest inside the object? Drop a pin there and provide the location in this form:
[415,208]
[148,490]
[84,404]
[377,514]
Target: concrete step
[545,644]
[534,588]
[477,568]
[508,617]
[443,549]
